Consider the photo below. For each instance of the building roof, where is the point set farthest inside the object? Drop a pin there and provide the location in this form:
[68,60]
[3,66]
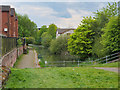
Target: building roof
[60,31]
[4,8]
[12,12]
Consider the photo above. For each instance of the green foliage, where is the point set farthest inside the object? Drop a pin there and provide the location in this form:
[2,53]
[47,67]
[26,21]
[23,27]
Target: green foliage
[46,39]
[102,16]
[29,40]
[115,64]
[19,42]
[80,42]
[111,36]
[26,27]
[59,45]
[68,77]
[39,34]
[52,30]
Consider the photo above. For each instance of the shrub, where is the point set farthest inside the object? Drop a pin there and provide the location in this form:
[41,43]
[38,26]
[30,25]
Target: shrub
[19,42]
[30,40]
[46,39]
[59,45]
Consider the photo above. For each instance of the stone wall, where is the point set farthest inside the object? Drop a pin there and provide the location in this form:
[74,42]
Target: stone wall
[10,58]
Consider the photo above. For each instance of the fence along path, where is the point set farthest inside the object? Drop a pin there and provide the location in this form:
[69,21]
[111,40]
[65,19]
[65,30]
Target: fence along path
[106,59]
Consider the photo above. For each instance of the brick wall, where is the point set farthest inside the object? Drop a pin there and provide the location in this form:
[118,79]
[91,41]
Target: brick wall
[9,59]
[9,21]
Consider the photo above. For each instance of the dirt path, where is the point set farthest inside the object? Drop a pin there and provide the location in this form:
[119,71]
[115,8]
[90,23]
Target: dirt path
[108,69]
[28,60]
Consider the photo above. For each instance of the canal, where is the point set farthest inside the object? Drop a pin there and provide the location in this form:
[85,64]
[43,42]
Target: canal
[47,59]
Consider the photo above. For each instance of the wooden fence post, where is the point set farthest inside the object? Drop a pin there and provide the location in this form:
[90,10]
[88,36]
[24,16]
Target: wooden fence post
[106,59]
[64,63]
[78,63]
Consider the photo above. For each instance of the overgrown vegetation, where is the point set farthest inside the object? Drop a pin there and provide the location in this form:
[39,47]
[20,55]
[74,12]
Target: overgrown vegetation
[115,64]
[30,40]
[45,35]
[18,59]
[59,45]
[84,77]
[97,36]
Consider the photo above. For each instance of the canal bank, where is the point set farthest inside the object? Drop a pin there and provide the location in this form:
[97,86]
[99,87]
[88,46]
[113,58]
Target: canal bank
[29,60]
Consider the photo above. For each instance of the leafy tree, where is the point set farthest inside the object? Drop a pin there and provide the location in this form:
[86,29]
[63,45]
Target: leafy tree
[59,44]
[30,40]
[52,30]
[111,36]
[26,27]
[103,16]
[80,42]
[40,32]
[46,39]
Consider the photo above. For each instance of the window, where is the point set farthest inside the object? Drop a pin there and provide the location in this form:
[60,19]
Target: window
[68,33]
[5,29]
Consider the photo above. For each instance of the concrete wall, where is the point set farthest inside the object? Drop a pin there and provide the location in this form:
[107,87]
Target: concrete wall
[10,58]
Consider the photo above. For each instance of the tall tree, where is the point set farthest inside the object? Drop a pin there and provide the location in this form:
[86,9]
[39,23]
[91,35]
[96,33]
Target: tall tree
[111,36]
[102,17]
[80,42]
[40,32]
[26,27]
[52,30]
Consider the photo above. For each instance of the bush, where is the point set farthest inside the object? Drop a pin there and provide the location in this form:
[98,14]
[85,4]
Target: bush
[30,40]
[59,45]
[19,42]
[46,39]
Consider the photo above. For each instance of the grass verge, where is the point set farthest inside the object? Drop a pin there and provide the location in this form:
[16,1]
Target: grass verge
[69,77]
[18,59]
[115,64]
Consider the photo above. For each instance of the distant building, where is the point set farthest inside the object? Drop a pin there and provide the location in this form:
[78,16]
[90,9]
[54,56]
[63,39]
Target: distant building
[38,28]
[63,31]
[8,21]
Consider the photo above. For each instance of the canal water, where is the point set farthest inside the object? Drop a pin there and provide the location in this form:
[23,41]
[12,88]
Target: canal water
[48,59]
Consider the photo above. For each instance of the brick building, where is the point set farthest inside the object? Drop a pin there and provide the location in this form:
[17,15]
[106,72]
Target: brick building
[9,22]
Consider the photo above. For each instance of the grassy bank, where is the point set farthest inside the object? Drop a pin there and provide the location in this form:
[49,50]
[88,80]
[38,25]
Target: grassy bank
[69,77]
[115,64]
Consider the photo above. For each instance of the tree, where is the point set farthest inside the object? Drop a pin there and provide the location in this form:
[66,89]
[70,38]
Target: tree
[59,44]
[40,32]
[111,36]
[26,27]
[103,16]
[52,30]
[46,39]
[80,42]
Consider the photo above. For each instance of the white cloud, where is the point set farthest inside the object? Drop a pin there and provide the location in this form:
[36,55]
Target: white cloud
[75,20]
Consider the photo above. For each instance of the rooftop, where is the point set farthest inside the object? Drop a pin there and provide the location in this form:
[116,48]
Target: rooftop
[4,8]
[60,31]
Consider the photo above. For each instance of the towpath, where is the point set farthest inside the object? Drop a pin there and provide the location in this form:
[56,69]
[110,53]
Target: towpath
[28,60]
[109,69]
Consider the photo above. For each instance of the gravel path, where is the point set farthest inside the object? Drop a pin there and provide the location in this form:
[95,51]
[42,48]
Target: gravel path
[28,60]
[109,69]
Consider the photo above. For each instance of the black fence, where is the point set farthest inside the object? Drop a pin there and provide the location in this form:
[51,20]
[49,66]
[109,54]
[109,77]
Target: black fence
[8,43]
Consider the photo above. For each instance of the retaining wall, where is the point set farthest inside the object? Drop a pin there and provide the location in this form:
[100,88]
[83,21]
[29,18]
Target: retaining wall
[9,59]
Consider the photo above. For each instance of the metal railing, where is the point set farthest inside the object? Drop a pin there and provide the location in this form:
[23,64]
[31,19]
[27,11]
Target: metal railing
[106,59]
[8,43]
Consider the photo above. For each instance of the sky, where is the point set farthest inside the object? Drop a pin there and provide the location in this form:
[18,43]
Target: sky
[63,14]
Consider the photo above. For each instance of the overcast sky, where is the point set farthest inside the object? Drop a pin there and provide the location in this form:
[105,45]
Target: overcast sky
[63,14]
